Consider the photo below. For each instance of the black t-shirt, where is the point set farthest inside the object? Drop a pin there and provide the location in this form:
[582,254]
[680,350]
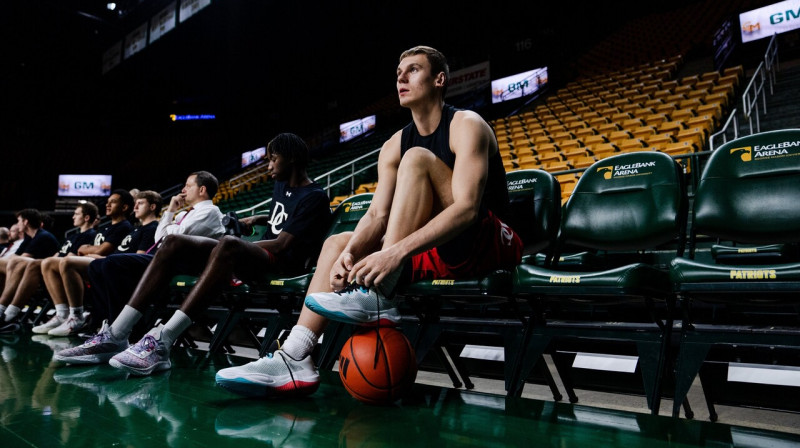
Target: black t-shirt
[141,238]
[114,233]
[305,213]
[42,245]
[77,240]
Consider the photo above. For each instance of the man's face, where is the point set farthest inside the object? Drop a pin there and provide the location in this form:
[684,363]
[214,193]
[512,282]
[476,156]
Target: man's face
[13,232]
[114,206]
[22,224]
[279,167]
[77,217]
[191,192]
[141,208]
[414,79]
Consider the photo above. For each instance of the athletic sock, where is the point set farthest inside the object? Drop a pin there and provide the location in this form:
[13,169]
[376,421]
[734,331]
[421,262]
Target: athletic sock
[176,325]
[3,309]
[62,311]
[300,343]
[123,325]
[11,312]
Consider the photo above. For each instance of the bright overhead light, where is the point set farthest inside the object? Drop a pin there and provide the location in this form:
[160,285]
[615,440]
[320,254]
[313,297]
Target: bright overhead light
[111,6]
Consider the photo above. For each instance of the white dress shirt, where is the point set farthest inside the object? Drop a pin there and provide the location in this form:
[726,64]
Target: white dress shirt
[12,248]
[205,219]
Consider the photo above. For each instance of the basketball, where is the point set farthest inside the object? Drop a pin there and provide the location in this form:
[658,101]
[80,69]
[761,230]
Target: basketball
[378,365]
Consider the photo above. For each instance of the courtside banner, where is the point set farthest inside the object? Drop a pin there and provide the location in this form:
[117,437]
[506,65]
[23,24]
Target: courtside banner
[773,19]
[84,185]
[468,79]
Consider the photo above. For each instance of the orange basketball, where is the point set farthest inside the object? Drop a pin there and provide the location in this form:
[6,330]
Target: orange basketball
[378,365]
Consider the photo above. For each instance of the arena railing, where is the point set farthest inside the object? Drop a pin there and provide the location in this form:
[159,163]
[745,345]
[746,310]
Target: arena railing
[755,92]
[329,178]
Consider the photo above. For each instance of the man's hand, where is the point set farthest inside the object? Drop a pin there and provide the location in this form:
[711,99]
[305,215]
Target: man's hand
[340,271]
[247,224]
[372,269]
[176,203]
[83,248]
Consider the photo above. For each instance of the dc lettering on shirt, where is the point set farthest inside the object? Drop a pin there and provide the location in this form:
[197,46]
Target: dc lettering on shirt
[279,216]
[99,239]
[124,245]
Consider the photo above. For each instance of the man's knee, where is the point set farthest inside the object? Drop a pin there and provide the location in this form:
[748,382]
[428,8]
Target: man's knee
[172,243]
[337,243]
[50,264]
[228,247]
[415,159]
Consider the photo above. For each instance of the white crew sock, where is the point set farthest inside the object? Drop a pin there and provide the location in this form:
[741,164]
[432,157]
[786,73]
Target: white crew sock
[123,325]
[11,312]
[300,343]
[3,309]
[62,311]
[176,325]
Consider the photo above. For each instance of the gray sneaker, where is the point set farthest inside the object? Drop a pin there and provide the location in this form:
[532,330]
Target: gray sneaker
[97,350]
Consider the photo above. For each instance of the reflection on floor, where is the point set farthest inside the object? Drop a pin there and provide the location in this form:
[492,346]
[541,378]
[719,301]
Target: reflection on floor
[44,405]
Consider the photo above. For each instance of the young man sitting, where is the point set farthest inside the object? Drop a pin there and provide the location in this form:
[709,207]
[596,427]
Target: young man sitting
[437,211]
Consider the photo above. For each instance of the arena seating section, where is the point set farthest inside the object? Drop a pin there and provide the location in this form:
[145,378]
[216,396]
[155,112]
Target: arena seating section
[630,101]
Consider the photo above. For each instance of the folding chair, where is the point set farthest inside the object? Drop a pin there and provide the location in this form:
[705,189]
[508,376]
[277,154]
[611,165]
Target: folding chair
[273,301]
[741,300]
[482,306]
[625,209]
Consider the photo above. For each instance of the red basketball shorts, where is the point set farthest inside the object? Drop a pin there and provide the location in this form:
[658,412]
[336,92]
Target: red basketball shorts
[494,246]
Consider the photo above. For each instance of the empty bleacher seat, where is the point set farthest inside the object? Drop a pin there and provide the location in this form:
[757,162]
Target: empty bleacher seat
[743,308]
[628,205]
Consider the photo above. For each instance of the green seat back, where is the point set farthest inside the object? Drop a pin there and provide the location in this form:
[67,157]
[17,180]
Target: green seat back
[535,208]
[631,201]
[749,191]
[349,212]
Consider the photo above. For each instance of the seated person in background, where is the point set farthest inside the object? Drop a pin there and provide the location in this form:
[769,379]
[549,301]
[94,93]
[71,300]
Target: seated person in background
[65,276]
[299,221]
[14,241]
[146,209]
[38,243]
[116,276]
[21,287]
[4,234]
[436,211]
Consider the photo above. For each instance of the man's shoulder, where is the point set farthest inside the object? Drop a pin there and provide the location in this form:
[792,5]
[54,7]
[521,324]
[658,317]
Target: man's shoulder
[45,234]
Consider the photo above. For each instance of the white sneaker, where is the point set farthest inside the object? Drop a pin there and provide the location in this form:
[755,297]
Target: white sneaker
[44,328]
[355,304]
[274,374]
[73,325]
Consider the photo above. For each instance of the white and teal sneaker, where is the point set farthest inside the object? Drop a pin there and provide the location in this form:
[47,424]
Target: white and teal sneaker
[355,304]
[273,375]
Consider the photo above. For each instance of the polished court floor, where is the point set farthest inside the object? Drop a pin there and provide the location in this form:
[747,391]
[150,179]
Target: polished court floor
[45,405]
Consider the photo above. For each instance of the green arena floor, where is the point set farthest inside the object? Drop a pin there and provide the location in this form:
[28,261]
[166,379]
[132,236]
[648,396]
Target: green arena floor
[44,405]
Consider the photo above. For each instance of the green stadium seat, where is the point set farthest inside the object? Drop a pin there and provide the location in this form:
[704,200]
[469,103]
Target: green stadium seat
[627,207]
[742,301]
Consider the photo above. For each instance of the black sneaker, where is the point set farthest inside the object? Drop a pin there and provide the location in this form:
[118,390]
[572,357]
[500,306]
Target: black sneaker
[12,326]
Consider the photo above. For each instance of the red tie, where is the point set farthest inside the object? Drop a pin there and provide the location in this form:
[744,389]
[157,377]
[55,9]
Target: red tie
[158,243]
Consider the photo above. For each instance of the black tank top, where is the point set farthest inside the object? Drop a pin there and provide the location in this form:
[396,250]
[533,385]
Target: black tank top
[495,195]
